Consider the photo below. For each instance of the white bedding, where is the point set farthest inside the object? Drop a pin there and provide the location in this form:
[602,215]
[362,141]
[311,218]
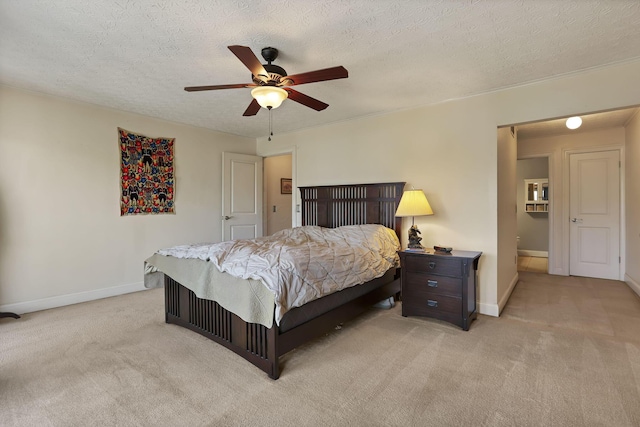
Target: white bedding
[305,263]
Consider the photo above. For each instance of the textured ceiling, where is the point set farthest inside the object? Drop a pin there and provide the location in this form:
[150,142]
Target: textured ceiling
[138,55]
[590,122]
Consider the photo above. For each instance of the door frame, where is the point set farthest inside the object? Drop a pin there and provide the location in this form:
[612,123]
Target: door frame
[566,208]
[551,252]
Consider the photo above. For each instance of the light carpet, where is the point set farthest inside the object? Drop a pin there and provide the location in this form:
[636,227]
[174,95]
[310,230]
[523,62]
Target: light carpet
[565,352]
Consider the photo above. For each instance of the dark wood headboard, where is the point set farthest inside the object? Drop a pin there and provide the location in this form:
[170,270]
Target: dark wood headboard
[336,205]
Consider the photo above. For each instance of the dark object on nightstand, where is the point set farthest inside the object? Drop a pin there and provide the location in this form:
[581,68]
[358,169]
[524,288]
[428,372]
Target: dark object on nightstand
[414,239]
[440,285]
[3,315]
[443,249]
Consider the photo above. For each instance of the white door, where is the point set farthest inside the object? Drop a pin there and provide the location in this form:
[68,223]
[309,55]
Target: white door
[594,180]
[241,196]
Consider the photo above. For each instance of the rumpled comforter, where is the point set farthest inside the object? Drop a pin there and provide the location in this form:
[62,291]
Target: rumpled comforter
[302,264]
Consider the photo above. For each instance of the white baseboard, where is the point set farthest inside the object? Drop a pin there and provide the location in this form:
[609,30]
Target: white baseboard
[489,309]
[62,300]
[537,254]
[495,309]
[505,297]
[635,286]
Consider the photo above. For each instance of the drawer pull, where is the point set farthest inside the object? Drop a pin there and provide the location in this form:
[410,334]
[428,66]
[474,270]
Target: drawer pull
[432,264]
[432,303]
[432,283]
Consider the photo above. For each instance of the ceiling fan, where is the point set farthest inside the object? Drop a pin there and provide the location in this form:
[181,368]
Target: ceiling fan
[271,82]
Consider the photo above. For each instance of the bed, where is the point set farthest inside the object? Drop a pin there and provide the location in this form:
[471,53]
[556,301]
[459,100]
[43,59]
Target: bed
[324,206]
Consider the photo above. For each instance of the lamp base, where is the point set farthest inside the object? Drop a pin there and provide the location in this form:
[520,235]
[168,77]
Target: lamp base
[414,239]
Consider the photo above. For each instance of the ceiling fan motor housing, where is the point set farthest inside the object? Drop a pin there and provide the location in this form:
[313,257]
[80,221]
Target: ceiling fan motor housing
[269,54]
[274,78]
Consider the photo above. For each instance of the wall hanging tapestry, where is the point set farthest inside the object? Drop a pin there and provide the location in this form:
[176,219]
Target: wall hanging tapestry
[147,183]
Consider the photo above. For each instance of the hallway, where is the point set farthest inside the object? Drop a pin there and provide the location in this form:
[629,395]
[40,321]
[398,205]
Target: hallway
[592,306]
[533,264]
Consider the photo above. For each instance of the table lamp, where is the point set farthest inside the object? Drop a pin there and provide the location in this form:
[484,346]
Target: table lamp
[414,203]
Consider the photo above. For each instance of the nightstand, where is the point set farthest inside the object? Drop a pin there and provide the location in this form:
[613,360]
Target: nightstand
[440,285]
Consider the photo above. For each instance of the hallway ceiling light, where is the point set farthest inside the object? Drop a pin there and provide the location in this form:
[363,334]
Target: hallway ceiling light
[574,122]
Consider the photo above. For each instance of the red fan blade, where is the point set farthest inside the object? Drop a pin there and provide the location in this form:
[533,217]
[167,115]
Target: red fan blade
[252,109]
[303,99]
[216,87]
[249,59]
[319,75]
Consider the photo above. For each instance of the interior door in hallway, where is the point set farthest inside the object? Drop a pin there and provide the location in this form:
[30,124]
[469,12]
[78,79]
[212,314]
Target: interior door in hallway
[594,180]
[241,196]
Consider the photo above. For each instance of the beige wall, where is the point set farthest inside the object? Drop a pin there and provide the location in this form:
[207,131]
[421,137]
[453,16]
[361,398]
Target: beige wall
[449,150]
[632,212]
[413,146]
[62,239]
[558,147]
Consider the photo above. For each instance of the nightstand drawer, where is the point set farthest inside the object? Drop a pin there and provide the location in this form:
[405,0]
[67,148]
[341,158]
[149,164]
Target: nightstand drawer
[433,265]
[420,284]
[438,306]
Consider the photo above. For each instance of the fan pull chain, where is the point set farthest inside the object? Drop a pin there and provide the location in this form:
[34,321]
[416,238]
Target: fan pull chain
[270,124]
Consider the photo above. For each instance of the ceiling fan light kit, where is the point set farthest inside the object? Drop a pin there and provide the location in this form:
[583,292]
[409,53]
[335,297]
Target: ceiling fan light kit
[269,96]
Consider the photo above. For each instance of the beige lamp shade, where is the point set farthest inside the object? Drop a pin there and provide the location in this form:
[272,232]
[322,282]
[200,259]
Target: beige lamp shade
[414,203]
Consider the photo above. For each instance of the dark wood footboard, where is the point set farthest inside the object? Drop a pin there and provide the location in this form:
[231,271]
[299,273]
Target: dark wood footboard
[254,342]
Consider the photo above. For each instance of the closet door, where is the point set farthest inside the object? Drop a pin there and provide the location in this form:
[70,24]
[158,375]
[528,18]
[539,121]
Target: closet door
[595,214]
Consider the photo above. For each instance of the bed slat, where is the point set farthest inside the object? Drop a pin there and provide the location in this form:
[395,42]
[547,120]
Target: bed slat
[171,298]
[210,317]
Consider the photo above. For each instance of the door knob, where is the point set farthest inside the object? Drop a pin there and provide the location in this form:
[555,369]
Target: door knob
[226,217]
[576,219]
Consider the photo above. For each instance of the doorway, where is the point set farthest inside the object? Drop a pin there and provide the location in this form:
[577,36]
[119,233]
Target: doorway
[278,193]
[534,210]
[599,132]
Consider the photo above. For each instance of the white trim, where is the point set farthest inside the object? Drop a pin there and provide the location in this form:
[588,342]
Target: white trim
[489,309]
[635,286]
[63,300]
[537,254]
[505,297]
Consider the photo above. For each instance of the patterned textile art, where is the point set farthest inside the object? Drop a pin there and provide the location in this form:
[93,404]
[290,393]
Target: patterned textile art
[146,174]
